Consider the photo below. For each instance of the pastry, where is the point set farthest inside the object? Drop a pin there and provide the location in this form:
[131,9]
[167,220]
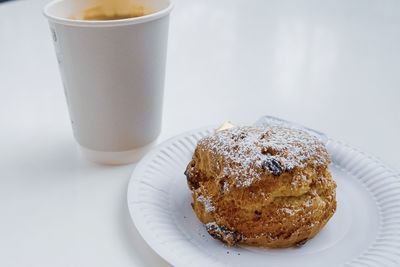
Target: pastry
[262,186]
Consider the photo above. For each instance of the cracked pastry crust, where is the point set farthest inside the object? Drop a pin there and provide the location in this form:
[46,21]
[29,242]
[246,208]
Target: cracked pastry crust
[267,187]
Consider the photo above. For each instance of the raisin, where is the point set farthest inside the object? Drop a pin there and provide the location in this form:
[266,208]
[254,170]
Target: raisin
[273,166]
[257,214]
[223,233]
[301,243]
[221,186]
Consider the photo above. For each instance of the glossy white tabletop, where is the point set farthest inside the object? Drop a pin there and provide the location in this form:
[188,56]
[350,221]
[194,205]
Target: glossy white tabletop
[331,65]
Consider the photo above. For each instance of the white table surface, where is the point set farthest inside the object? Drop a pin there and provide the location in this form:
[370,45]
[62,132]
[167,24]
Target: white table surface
[331,65]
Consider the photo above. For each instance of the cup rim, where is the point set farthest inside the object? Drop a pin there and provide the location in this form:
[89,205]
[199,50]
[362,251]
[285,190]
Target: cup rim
[105,23]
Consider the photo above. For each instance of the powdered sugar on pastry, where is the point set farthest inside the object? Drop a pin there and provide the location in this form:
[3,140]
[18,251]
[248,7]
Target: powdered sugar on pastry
[208,206]
[275,149]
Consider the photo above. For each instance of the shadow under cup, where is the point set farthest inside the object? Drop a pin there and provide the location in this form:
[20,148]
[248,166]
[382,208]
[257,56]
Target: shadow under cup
[113,73]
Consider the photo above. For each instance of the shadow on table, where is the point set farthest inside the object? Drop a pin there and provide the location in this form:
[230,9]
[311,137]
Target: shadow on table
[57,156]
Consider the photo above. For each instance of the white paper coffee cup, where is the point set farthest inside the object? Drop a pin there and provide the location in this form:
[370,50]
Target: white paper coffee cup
[113,76]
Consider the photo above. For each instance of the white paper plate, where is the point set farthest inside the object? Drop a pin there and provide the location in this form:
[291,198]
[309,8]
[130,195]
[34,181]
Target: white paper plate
[365,230]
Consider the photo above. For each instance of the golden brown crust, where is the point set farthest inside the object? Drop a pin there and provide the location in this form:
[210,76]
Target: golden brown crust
[262,186]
